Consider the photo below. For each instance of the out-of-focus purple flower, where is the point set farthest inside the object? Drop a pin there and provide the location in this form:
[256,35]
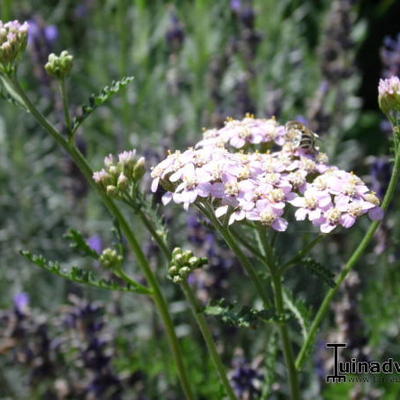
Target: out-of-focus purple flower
[41,42]
[21,302]
[41,34]
[85,317]
[381,171]
[51,33]
[302,119]
[96,243]
[386,126]
[236,5]
[246,379]
[82,10]
[175,34]
[390,56]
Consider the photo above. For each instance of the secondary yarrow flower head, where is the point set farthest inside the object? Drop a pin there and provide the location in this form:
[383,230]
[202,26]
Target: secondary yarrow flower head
[13,41]
[59,66]
[250,170]
[120,174]
[389,95]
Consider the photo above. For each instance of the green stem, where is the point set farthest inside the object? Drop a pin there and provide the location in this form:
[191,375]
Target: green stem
[124,276]
[242,240]
[207,336]
[276,277]
[64,96]
[158,298]
[284,334]
[160,241]
[197,311]
[308,247]
[323,309]
[244,261]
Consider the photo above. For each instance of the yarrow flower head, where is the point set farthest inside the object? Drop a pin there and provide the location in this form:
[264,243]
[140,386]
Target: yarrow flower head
[119,175]
[250,170]
[59,66]
[389,94]
[183,262]
[13,41]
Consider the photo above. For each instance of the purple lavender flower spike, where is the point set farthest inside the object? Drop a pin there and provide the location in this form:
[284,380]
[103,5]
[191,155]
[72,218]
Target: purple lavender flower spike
[21,302]
[96,243]
[51,33]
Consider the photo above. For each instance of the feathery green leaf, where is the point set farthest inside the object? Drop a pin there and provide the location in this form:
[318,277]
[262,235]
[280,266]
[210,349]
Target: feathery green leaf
[82,276]
[97,100]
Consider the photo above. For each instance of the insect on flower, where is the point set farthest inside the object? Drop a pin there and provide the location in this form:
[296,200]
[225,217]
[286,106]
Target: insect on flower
[301,136]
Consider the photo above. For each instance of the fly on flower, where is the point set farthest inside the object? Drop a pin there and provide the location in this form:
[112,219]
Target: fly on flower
[301,136]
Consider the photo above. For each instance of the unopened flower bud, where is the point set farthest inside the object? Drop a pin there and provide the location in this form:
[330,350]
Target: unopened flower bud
[113,170]
[111,190]
[139,169]
[173,270]
[176,251]
[109,258]
[194,261]
[108,160]
[178,258]
[59,66]
[187,254]
[184,271]
[389,94]
[122,182]
[177,279]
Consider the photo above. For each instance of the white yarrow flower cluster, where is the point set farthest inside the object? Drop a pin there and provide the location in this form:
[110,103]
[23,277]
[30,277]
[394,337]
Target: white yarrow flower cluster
[13,41]
[121,173]
[226,169]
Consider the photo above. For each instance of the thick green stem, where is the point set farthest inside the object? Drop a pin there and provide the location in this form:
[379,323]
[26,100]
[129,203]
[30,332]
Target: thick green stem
[270,262]
[64,96]
[207,336]
[284,334]
[197,311]
[244,261]
[323,309]
[157,296]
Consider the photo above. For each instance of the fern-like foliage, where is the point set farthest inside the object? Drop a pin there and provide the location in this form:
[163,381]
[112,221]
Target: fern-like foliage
[97,100]
[150,210]
[14,100]
[320,271]
[81,276]
[241,317]
[79,244]
[299,310]
[271,357]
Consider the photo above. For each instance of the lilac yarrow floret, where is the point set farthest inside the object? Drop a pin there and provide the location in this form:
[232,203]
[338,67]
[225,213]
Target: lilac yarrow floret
[259,186]
[13,40]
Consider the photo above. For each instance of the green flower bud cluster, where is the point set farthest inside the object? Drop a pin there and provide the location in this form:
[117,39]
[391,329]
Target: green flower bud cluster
[183,263]
[109,258]
[59,66]
[13,40]
[119,175]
